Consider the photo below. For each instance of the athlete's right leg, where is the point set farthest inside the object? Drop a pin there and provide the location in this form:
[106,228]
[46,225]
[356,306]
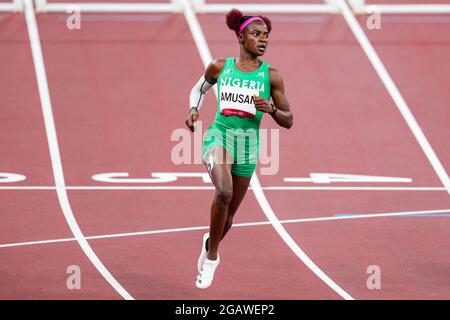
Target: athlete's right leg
[219,167]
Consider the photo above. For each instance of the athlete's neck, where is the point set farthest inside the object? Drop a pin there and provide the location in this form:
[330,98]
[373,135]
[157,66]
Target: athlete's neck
[247,61]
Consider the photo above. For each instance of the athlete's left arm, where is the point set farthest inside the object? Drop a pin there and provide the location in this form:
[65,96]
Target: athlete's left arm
[280,109]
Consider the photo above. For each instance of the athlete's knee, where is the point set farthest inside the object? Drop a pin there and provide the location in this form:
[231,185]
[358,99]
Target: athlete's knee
[224,194]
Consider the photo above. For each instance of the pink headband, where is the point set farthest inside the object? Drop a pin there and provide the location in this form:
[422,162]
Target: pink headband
[247,22]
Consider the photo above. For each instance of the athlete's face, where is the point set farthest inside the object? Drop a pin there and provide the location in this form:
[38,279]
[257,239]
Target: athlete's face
[255,38]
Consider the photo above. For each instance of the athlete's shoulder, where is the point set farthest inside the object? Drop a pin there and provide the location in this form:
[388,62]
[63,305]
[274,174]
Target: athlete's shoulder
[274,71]
[214,69]
[218,62]
[275,75]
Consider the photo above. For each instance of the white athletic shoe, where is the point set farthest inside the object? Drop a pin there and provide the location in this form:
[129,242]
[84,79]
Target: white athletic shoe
[203,253]
[206,275]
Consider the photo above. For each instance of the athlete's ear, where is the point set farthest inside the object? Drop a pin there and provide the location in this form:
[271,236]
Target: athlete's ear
[241,38]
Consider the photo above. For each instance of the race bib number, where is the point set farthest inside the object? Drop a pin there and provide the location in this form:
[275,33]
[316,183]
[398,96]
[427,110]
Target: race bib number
[237,101]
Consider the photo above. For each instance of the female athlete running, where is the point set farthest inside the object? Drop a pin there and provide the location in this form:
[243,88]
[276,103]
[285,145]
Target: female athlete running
[231,144]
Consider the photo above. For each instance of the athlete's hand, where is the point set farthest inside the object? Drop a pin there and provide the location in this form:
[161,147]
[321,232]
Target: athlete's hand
[262,104]
[191,120]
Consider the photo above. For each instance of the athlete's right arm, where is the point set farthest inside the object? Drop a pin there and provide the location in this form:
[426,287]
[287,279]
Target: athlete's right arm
[198,92]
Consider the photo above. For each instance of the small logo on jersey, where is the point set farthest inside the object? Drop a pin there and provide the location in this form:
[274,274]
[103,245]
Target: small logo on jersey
[227,71]
[260,74]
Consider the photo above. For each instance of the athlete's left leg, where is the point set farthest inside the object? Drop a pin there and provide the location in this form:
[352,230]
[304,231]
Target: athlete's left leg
[240,187]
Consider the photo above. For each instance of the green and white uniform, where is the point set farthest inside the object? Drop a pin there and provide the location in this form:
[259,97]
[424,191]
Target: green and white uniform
[236,126]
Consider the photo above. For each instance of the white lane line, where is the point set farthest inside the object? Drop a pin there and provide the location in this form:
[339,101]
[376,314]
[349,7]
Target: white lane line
[325,177]
[194,188]
[394,93]
[206,57]
[6,177]
[111,7]
[55,157]
[109,188]
[12,6]
[237,225]
[119,18]
[282,188]
[272,8]
[404,8]
[32,243]
[157,177]
[264,203]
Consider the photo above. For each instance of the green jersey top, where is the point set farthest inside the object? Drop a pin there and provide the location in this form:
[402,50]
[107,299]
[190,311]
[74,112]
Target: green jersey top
[235,90]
